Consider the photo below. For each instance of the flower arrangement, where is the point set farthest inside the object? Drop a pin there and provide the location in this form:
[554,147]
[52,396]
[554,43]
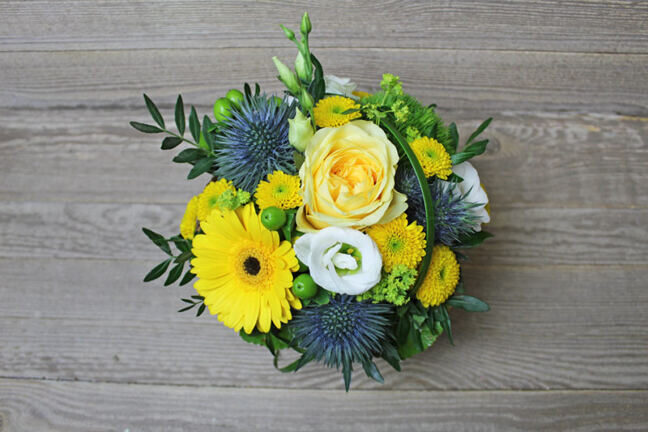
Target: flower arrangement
[334,221]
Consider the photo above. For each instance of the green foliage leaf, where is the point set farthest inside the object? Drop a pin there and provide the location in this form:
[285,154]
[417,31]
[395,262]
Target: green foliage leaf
[174,274]
[470,151]
[322,297]
[473,240]
[182,244]
[184,256]
[155,113]
[158,240]
[201,309]
[201,167]
[454,138]
[146,128]
[171,142]
[180,116]
[317,87]
[157,271]
[188,277]
[390,355]
[207,125]
[372,371]
[194,125]
[479,130]
[468,303]
[256,337]
[189,155]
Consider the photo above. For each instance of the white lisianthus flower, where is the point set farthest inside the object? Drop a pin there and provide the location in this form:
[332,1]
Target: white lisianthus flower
[473,190]
[341,260]
[339,86]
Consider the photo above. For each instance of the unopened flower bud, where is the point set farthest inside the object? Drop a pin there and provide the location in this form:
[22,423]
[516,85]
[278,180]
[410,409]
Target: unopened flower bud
[300,131]
[287,76]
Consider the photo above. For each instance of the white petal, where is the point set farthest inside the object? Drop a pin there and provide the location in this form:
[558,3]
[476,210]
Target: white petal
[344,261]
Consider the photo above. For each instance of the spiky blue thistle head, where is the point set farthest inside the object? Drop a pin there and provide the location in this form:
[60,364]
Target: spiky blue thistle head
[343,332]
[453,215]
[253,142]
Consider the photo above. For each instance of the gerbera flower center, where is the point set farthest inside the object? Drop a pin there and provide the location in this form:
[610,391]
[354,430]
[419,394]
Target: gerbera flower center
[252,266]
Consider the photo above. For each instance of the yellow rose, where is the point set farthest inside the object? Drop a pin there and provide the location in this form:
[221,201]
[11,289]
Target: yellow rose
[348,178]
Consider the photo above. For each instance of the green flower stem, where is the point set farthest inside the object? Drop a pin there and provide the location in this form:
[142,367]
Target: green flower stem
[427,202]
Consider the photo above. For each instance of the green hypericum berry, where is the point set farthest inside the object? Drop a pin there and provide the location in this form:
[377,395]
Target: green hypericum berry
[222,108]
[273,218]
[304,286]
[235,96]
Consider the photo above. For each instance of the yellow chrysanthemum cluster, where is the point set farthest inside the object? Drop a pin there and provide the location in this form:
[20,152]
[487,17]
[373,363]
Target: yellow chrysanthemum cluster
[208,199]
[433,157]
[329,111]
[399,243]
[188,223]
[441,279]
[281,190]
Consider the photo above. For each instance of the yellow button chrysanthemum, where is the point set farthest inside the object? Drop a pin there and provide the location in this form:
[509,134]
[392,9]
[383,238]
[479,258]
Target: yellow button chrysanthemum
[244,271]
[208,199]
[441,279]
[399,243]
[189,220]
[433,157]
[281,190]
[329,111]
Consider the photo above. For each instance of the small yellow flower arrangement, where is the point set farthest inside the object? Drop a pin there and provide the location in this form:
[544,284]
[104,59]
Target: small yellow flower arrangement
[331,220]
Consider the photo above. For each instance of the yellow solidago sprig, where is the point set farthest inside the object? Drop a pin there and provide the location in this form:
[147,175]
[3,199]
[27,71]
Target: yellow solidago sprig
[441,279]
[433,157]
[329,111]
[399,243]
[280,190]
[393,287]
[220,195]
[190,219]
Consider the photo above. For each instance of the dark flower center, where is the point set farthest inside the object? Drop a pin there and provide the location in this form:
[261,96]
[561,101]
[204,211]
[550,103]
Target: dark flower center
[252,266]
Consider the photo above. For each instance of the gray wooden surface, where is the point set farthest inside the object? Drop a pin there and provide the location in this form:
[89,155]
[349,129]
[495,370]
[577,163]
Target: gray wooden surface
[86,346]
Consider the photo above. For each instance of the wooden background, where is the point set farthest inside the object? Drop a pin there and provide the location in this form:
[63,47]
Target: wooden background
[86,346]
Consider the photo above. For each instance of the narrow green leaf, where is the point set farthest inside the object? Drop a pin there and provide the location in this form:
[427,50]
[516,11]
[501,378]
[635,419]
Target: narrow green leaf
[454,136]
[184,309]
[188,301]
[322,297]
[256,337]
[170,142]
[155,113]
[174,274]
[188,277]
[201,167]
[474,149]
[146,128]
[479,130]
[209,139]
[184,256]
[194,125]
[201,309]
[346,372]
[180,116]
[350,111]
[158,240]
[372,371]
[189,155]
[473,240]
[454,178]
[157,271]
[468,303]
[182,244]
[390,355]
[198,297]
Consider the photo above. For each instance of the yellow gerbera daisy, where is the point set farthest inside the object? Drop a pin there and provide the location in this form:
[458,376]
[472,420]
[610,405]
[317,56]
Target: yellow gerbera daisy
[189,220]
[244,271]
[281,190]
[433,157]
[328,111]
[399,243]
[208,199]
[441,279]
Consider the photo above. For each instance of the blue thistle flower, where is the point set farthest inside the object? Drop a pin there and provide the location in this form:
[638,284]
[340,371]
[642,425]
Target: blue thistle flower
[342,332]
[253,142]
[453,216]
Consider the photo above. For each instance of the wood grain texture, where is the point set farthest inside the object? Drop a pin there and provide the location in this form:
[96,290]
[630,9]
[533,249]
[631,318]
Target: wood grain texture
[540,160]
[523,235]
[467,79]
[70,407]
[557,327]
[580,26]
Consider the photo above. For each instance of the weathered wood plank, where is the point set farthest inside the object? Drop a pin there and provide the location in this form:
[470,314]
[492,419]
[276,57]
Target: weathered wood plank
[69,407]
[554,327]
[466,79]
[592,26]
[548,160]
[524,235]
